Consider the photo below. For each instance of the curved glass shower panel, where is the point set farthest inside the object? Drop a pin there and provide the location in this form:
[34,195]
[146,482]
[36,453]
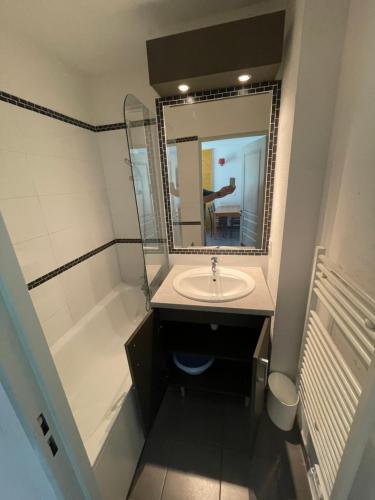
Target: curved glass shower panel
[141,130]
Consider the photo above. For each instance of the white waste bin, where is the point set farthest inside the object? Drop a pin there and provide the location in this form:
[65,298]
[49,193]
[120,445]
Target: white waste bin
[282,401]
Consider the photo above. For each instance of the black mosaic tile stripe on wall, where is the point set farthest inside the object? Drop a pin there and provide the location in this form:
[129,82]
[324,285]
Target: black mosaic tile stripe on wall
[123,125]
[214,94]
[128,240]
[59,270]
[140,240]
[68,265]
[32,106]
[182,139]
[110,126]
[144,122]
[187,223]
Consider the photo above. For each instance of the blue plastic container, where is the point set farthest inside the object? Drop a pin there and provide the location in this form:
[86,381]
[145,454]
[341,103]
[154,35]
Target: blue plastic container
[193,364]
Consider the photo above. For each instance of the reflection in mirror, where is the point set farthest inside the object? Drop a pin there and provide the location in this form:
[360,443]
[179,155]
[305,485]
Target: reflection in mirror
[142,140]
[217,164]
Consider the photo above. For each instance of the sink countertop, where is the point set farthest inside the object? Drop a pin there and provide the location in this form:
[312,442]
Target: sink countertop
[259,301]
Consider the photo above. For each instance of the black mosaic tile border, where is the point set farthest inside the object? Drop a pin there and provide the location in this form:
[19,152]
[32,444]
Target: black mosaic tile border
[68,265]
[187,223]
[140,240]
[141,123]
[154,240]
[205,95]
[128,240]
[22,103]
[110,126]
[123,125]
[182,139]
[59,270]
[31,106]
[37,108]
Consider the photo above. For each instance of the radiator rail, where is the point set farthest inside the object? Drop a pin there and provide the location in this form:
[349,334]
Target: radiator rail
[334,401]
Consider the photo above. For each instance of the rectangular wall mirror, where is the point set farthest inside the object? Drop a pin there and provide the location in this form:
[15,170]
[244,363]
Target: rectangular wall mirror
[218,158]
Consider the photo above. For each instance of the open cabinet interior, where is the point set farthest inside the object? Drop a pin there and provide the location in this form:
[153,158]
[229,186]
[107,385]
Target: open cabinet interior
[238,343]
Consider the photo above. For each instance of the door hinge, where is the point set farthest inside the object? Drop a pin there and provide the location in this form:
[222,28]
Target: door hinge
[43,424]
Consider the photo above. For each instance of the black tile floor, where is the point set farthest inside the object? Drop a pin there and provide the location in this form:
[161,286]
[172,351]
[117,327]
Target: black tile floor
[198,450]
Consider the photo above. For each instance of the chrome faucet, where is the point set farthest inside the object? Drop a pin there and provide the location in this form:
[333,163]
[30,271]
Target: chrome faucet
[213,266]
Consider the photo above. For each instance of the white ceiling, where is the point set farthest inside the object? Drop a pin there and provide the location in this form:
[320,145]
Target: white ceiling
[98,36]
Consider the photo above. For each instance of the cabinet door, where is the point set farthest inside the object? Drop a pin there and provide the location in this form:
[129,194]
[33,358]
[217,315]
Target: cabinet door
[259,376]
[148,367]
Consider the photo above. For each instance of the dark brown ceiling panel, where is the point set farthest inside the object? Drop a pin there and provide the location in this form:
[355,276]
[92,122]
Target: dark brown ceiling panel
[243,45]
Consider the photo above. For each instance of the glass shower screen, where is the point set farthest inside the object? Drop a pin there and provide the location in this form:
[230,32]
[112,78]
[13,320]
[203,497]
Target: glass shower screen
[141,131]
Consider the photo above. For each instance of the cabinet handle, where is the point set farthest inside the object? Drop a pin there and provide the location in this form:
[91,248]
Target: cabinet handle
[263,378]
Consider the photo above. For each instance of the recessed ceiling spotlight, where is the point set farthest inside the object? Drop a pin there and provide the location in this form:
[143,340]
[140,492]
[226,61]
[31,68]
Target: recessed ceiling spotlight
[244,78]
[183,87]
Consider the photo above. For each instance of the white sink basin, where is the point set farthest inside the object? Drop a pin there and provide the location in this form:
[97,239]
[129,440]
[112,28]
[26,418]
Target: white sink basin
[199,284]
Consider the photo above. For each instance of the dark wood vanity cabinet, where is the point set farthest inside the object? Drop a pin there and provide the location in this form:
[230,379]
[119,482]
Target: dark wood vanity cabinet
[149,367]
[240,346]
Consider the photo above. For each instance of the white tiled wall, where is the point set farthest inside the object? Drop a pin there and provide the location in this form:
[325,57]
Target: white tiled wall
[131,263]
[113,150]
[54,201]
[34,72]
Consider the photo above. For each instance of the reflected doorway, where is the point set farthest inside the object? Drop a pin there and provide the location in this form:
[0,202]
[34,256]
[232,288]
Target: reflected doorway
[232,173]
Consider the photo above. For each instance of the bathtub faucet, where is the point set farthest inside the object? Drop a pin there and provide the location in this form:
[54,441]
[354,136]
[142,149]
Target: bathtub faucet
[213,266]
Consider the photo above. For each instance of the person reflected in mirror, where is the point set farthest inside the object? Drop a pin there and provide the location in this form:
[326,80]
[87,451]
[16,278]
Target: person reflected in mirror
[213,195]
[208,195]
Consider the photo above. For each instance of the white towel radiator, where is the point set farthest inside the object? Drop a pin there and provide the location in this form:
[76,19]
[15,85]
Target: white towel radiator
[336,380]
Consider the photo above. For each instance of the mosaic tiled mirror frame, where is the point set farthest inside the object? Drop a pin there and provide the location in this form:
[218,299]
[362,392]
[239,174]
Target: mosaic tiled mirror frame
[208,95]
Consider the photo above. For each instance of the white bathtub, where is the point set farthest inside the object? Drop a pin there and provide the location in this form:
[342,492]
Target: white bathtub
[92,365]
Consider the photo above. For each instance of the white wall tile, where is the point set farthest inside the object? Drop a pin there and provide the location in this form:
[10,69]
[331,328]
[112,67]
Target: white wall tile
[104,272]
[131,263]
[48,298]
[91,174]
[224,260]
[85,146]
[123,209]
[58,138]
[101,230]
[97,202]
[33,71]
[24,218]
[62,211]
[53,196]
[113,150]
[99,218]
[78,290]
[39,137]
[57,325]
[113,265]
[10,130]
[55,175]
[70,243]
[35,257]
[15,177]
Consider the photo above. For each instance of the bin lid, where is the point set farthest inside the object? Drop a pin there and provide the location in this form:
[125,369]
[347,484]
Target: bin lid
[283,389]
